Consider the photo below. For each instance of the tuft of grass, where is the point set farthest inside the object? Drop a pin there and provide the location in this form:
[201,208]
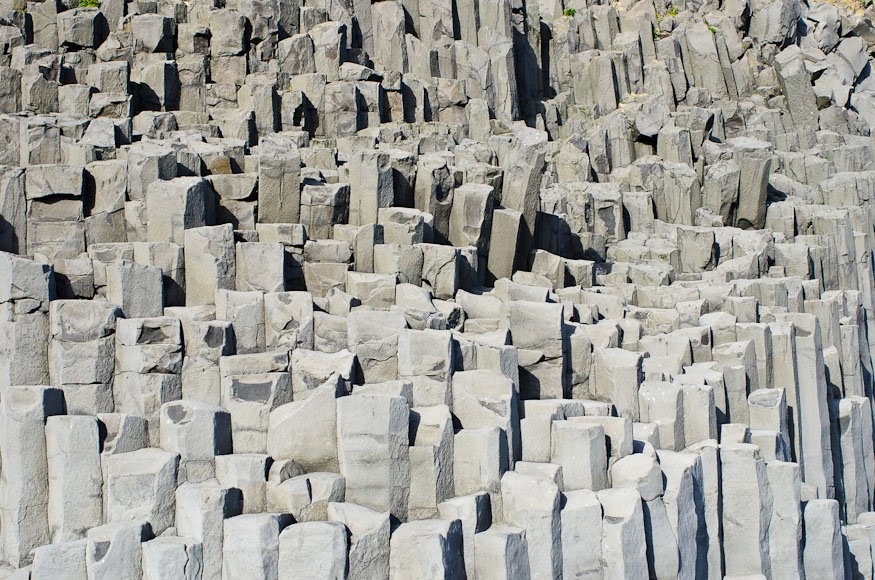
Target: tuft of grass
[89,3]
[569,12]
[855,6]
[711,28]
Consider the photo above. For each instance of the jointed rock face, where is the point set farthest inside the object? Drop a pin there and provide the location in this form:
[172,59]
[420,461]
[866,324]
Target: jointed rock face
[415,289]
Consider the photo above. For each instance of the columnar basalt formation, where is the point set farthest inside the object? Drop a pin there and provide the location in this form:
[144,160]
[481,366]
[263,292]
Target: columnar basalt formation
[399,289]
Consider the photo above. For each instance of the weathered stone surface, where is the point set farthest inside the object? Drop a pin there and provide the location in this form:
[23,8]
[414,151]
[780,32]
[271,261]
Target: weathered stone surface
[437,288]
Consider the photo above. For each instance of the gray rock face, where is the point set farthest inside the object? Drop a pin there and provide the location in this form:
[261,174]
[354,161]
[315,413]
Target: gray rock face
[442,289]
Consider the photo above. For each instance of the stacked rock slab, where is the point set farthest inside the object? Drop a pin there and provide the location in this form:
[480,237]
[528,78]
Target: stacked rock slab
[486,289]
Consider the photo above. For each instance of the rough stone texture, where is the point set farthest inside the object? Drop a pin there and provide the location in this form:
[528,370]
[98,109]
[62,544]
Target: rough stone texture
[437,288]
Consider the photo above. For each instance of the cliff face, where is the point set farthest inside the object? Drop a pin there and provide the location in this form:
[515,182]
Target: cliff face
[436,289]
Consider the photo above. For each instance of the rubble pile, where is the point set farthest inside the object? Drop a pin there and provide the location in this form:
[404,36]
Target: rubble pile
[321,289]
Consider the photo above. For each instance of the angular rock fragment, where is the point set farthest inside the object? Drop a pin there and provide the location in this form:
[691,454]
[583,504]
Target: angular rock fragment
[436,288]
